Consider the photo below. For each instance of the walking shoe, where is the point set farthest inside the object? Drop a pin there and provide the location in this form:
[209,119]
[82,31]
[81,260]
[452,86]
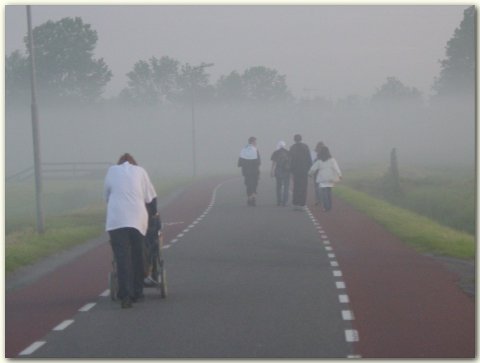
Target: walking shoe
[126,304]
[148,281]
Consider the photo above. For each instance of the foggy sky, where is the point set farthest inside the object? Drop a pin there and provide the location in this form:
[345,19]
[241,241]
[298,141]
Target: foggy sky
[334,50]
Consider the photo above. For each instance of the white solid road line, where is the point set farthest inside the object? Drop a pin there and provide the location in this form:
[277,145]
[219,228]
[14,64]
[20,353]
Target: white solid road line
[32,348]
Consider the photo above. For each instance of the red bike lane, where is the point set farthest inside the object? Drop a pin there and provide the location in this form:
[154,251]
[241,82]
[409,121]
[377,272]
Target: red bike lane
[406,305]
[34,310]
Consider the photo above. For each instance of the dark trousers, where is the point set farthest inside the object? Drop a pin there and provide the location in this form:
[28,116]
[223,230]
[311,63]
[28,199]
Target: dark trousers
[326,194]
[251,182]
[300,183]
[127,246]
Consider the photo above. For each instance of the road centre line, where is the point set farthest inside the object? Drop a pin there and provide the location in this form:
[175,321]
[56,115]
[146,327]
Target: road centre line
[32,348]
[63,325]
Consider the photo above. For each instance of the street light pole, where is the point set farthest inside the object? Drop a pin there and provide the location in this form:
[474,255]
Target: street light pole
[36,140]
[194,142]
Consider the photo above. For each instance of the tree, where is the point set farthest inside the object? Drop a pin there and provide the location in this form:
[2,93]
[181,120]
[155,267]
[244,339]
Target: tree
[264,84]
[64,60]
[230,88]
[17,81]
[152,82]
[395,92]
[457,74]
[194,79]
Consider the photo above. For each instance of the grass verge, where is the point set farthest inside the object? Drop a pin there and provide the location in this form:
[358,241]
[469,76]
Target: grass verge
[425,235]
[71,224]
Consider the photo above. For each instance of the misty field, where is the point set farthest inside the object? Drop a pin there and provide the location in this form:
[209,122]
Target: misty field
[446,194]
[74,213]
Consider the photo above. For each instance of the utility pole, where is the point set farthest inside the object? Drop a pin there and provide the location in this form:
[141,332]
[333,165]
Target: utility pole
[194,142]
[36,140]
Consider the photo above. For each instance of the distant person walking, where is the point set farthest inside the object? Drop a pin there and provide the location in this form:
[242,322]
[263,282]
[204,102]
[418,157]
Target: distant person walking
[301,163]
[328,173]
[281,171]
[249,161]
[130,197]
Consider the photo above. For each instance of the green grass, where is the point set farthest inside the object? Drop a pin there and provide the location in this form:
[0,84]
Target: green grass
[74,213]
[424,234]
[444,194]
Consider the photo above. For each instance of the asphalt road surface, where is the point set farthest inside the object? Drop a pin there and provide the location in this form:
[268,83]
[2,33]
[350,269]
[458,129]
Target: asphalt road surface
[251,282]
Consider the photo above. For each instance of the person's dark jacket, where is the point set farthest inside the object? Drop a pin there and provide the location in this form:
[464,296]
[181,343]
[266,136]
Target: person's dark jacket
[301,160]
[250,167]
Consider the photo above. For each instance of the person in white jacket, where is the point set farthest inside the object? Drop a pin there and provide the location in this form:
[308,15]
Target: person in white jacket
[328,174]
[128,192]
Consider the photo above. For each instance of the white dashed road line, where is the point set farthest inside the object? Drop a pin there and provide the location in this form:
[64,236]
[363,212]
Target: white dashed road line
[347,315]
[32,348]
[63,325]
[87,307]
[351,335]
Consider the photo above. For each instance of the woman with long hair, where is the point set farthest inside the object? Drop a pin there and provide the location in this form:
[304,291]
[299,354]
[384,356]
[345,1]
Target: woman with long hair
[328,173]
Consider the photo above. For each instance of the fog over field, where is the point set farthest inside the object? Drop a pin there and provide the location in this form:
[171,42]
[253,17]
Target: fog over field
[334,61]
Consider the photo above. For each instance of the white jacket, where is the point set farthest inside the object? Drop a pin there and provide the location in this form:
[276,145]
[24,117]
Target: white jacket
[328,172]
[127,190]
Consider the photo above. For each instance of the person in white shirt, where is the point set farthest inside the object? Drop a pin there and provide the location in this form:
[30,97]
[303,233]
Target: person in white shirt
[249,161]
[328,174]
[128,192]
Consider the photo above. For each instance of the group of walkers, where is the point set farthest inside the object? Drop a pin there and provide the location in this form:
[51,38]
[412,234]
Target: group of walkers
[132,200]
[296,164]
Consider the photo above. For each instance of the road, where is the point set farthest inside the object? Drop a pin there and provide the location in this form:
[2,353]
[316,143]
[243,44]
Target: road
[252,282]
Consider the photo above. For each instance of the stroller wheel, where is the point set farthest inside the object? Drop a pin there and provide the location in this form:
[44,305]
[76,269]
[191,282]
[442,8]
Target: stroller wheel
[160,276]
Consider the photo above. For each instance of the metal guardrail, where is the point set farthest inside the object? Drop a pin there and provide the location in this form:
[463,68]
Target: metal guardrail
[63,170]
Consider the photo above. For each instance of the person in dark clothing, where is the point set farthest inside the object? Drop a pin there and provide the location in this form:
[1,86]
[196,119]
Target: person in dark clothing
[249,161]
[301,161]
[281,171]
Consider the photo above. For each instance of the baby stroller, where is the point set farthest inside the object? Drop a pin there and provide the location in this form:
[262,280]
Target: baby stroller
[155,274]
